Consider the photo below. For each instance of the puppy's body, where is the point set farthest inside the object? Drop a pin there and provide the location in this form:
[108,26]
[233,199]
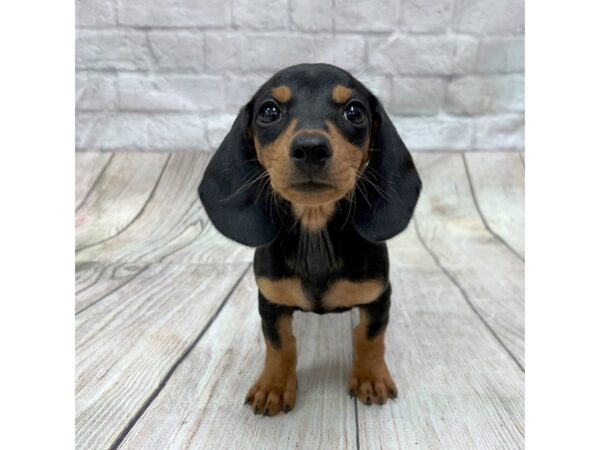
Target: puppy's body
[314,174]
[333,269]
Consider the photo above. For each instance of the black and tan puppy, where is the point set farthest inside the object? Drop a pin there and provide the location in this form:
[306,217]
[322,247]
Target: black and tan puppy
[314,174]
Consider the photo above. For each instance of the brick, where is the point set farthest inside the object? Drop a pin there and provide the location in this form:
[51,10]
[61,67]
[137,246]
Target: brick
[435,134]
[94,13]
[312,15]
[379,85]
[422,55]
[500,133]
[260,14]
[223,51]
[365,15]
[490,16]
[85,122]
[216,129]
[501,54]
[275,52]
[485,94]
[421,95]
[239,89]
[174,13]
[111,132]
[178,50]
[171,93]
[347,52]
[433,16]
[177,132]
[134,131]
[111,49]
[96,91]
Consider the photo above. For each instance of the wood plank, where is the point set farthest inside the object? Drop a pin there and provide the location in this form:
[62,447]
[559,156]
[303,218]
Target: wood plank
[201,405]
[458,388]
[95,280]
[489,273]
[173,226]
[88,167]
[128,342]
[210,246]
[118,196]
[498,185]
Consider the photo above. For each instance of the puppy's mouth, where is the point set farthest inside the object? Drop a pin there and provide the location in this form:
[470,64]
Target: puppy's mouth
[311,186]
[310,192]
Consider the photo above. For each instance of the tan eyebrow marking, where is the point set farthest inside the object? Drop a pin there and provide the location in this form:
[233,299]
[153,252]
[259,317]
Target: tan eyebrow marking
[282,94]
[341,94]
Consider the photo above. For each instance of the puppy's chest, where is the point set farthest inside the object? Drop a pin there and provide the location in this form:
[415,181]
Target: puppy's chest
[335,295]
[321,275]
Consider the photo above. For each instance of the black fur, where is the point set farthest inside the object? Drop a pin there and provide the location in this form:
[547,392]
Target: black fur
[270,315]
[351,245]
[318,259]
[240,213]
[393,184]
[378,313]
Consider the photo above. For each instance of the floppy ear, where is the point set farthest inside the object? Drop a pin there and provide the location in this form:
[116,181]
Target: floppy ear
[392,184]
[231,189]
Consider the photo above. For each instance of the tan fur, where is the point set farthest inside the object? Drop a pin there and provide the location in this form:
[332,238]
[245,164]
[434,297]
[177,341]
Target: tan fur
[276,386]
[274,156]
[341,94]
[282,94]
[346,161]
[313,218]
[345,293]
[354,153]
[370,380]
[286,292]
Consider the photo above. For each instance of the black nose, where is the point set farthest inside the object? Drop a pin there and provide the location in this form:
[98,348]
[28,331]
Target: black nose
[310,153]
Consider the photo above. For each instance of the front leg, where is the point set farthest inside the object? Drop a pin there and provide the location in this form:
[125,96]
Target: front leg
[371,380]
[276,387]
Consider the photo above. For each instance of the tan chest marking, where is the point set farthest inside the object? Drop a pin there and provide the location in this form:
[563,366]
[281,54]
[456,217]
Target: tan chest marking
[313,218]
[345,293]
[286,292]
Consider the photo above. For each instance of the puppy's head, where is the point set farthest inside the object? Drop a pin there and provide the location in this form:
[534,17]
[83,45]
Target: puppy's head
[315,136]
[311,129]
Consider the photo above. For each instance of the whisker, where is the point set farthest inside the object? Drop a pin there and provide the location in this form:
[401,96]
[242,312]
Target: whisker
[358,184]
[377,188]
[390,183]
[247,185]
[350,209]
[259,74]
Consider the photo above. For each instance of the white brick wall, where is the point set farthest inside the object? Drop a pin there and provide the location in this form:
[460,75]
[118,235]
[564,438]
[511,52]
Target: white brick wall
[171,74]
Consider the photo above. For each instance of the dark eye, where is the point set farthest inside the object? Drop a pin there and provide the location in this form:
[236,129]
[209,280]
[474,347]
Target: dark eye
[269,113]
[355,113]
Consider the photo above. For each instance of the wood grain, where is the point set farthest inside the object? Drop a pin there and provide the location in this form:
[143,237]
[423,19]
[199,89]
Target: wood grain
[88,167]
[172,220]
[458,388]
[127,343]
[94,280]
[490,274]
[201,406]
[499,188]
[159,364]
[118,197]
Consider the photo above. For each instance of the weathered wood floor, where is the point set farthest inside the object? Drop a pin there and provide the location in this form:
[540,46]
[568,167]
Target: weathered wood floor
[168,337]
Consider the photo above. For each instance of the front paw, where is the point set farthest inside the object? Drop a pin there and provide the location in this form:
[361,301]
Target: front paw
[372,384]
[272,394]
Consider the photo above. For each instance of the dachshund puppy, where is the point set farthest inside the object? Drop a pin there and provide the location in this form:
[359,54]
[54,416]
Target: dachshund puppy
[314,174]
